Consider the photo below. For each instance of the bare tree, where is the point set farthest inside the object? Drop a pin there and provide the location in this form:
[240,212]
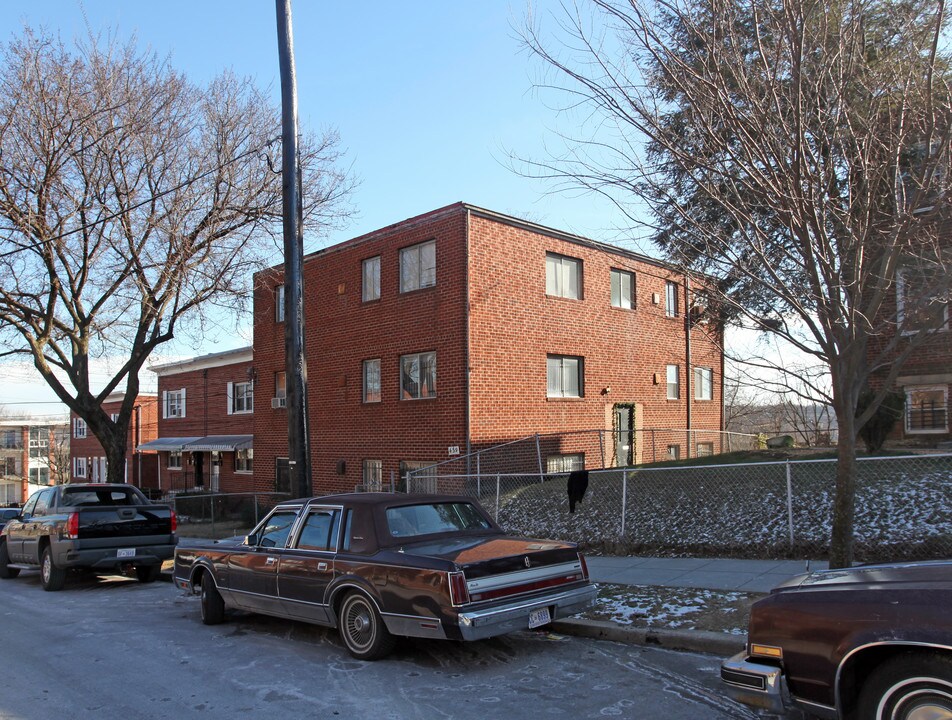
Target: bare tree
[793,151]
[131,202]
[59,457]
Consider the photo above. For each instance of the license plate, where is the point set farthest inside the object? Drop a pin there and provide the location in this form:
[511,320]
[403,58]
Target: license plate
[539,617]
[126,553]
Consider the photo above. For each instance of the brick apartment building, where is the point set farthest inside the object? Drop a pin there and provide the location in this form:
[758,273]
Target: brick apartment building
[34,453]
[463,328]
[88,459]
[205,423]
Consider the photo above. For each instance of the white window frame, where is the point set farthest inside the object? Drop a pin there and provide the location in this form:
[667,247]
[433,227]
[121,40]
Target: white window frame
[673,382]
[279,303]
[241,398]
[558,370]
[426,386]
[914,327]
[79,428]
[173,400]
[370,284]
[910,389]
[618,280]
[175,454]
[673,452]
[672,292]
[79,467]
[418,266]
[704,449]
[703,383]
[563,276]
[555,464]
[371,381]
[244,461]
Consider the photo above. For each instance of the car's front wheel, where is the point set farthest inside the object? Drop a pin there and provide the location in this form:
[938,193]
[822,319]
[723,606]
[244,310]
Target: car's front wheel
[912,686]
[6,572]
[52,578]
[362,629]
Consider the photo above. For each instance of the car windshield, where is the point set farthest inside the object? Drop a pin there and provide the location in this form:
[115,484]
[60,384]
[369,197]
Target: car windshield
[429,518]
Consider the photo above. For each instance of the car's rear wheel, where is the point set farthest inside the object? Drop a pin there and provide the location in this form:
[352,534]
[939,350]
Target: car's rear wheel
[6,572]
[213,606]
[362,629]
[912,686]
[52,578]
[148,573]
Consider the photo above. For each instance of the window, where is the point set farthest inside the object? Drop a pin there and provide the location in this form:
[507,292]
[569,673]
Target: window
[240,398]
[671,299]
[917,306]
[372,381]
[279,303]
[280,398]
[564,463]
[418,266]
[175,460]
[8,466]
[623,289]
[244,460]
[703,383]
[423,478]
[563,276]
[428,519]
[320,530]
[274,531]
[373,475]
[79,428]
[79,467]
[927,409]
[114,417]
[674,452]
[371,279]
[674,383]
[565,376]
[418,376]
[173,403]
[9,440]
[704,449]
[40,476]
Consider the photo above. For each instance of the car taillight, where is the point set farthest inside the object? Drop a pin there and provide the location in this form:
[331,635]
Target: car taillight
[459,592]
[174,521]
[581,559]
[72,526]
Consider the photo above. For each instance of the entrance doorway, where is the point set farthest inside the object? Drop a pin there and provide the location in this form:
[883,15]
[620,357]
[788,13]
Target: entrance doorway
[624,435]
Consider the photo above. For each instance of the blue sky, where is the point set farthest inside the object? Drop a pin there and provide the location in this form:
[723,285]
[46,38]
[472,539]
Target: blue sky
[428,98]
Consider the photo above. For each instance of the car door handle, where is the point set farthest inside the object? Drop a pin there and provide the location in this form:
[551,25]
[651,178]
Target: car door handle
[322,566]
[270,561]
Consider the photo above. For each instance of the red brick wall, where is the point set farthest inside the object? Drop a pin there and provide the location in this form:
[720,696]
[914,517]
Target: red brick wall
[513,325]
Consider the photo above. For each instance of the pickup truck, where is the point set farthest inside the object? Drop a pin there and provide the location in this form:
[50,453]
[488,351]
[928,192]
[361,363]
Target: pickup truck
[379,566]
[104,528]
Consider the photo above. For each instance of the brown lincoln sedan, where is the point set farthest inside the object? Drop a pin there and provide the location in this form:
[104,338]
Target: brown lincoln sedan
[378,566]
[870,642]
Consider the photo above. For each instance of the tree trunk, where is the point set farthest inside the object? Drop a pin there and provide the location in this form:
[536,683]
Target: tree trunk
[844,504]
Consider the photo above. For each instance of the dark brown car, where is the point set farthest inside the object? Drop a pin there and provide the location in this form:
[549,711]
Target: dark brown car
[378,566]
[871,642]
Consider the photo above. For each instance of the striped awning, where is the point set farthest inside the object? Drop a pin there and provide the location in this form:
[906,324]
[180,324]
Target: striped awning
[226,443]
[169,444]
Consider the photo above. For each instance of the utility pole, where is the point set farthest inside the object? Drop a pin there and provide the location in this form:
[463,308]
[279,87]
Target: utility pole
[299,457]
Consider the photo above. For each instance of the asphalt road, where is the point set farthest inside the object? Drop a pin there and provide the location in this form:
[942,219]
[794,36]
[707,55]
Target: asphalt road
[115,648]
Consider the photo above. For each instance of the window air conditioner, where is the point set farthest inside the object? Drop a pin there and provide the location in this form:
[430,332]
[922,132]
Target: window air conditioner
[279,402]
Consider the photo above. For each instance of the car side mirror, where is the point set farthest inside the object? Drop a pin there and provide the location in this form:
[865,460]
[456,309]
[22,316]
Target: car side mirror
[251,539]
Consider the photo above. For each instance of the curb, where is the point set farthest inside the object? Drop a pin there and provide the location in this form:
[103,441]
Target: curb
[700,641]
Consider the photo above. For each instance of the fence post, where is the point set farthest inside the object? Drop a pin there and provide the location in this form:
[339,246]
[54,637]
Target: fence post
[624,501]
[790,503]
[539,457]
[601,445]
[497,499]
[255,496]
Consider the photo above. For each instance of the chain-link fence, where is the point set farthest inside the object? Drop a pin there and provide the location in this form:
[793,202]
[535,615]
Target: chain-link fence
[779,509]
[220,515]
[593,449]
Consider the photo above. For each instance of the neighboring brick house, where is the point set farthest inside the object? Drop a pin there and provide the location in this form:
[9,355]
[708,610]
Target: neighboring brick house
[205,423]
[463,328]
[34,453]
[88,459]
[926,376]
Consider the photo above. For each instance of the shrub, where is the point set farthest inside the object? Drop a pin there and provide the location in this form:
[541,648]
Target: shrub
[878,427]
